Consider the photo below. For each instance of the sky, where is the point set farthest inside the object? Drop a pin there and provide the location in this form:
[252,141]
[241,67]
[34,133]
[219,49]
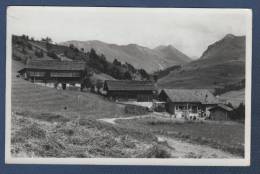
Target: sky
[189,30]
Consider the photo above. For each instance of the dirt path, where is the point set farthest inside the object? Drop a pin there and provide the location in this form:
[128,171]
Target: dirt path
[187,150]
[113,120]
[181,149]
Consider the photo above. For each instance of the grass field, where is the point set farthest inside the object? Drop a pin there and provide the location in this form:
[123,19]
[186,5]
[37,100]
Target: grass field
[228,136]
[32,97]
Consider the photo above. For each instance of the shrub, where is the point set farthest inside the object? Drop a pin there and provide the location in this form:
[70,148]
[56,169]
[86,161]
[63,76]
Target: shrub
[38,53]
[136,110]
[160,108]
[156,151]
[238,113]
[52,55]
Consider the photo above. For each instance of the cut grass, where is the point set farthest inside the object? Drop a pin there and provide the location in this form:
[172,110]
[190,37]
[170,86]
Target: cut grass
[33,137]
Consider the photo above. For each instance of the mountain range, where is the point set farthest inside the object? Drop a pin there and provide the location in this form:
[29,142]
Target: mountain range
[151,60]
[221,64]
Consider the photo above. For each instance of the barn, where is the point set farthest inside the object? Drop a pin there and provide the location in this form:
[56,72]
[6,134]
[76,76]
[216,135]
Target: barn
[130,90]
[220,112]
[53,71]
[188,102]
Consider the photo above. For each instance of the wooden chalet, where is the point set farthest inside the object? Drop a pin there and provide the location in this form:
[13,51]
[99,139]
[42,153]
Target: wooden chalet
[53,71]
[220,112]
[130,90]
[188,102]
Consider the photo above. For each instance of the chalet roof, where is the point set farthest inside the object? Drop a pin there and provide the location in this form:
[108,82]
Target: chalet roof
[191,95]
[222,106]
[129,85]
[55,65]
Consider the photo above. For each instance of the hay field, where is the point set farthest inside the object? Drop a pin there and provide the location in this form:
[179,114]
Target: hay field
[47,135]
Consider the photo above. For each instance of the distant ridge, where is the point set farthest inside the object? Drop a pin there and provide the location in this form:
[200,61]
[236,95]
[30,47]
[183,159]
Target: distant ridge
[139,56]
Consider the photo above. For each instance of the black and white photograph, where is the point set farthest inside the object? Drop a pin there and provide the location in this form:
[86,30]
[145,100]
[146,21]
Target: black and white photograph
[128,86]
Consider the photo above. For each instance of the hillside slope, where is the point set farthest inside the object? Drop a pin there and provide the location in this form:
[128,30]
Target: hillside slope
[140,57]
[222,64]
[173,55]
[44,99]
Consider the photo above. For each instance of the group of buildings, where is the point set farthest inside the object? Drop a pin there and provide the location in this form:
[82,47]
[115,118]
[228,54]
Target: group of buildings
[191,103]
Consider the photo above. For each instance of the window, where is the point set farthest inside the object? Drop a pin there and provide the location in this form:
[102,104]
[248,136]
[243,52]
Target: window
[194,109]
[65,74]
[181,107]
[36,74]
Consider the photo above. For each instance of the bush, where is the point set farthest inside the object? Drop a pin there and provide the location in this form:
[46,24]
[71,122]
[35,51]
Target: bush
[52,55]
[156,151]
[38,53]
[135,110]
[238,113]
[161,152]
[160,109]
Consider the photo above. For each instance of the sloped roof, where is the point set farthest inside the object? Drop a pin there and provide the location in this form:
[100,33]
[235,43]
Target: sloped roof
[222,106]
[129,85]
[191,95]
[55,65]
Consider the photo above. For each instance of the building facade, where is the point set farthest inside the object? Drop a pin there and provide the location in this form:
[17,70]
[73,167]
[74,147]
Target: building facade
[220,112]
[130,90]
[188,102]
[53,71]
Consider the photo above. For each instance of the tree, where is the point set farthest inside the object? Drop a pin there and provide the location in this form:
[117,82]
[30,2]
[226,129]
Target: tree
[127,76]
[230,105]
[238,113]
[155,78]
[71,46]
[48,40]
[92,54]
[99,85]
[52,54]
[116,62]
[144,74]
[38,53]
[115,73]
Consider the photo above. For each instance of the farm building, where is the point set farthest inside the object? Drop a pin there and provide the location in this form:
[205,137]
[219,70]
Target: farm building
[220,112]
[188,102]
[53,71]
[130,90]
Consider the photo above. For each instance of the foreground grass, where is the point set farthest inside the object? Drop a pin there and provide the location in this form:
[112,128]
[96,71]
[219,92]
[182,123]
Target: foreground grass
[227,136]
[47,135]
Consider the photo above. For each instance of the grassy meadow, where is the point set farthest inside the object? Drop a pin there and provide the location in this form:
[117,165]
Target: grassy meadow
[228,136]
